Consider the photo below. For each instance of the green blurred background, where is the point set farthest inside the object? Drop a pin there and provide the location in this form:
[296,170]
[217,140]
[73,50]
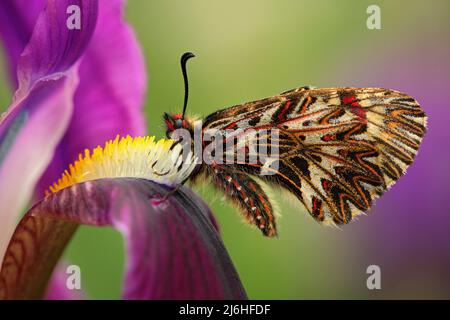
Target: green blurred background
[248,50]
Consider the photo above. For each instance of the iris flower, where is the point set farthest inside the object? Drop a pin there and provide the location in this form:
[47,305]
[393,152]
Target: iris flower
[77,88]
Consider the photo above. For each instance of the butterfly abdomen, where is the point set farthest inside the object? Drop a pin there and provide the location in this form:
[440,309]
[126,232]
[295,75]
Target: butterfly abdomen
[248,195]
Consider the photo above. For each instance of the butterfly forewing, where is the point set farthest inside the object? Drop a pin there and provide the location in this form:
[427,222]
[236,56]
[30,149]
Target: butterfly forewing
[338,148]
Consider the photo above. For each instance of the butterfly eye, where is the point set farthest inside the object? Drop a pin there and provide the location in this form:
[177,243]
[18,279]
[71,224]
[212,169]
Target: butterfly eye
[178,123]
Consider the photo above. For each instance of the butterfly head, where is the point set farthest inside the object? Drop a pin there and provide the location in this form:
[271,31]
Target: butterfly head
[176,121]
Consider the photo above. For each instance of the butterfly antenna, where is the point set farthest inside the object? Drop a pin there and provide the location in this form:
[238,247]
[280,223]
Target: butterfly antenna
[184,58]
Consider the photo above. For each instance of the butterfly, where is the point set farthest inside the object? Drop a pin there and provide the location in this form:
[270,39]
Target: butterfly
[338,149]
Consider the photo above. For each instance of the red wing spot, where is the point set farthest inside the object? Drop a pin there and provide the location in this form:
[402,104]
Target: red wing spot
[285,109]
[316,205]
[231,125]
[359,112]
[328,137]
[348,99]
[355,107]
[326,184]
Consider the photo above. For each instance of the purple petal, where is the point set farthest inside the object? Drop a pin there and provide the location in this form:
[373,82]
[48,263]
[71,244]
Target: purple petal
[174,251]
[40,113]
[27,146]
[17,20]
[53,47]
[110,97]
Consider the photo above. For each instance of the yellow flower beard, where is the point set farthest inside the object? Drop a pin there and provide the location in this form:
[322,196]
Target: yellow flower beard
[140,157]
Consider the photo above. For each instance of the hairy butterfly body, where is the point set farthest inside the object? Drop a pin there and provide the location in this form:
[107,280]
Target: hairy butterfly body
[338,149]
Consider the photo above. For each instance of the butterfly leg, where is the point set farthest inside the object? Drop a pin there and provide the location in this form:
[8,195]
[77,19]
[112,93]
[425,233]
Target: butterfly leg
[248,195]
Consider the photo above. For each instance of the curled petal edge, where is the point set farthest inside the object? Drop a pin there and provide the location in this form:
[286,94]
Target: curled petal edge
[174,250]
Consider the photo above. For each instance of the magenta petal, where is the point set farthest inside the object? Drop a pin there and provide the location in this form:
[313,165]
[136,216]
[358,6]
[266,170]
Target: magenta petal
[32,132]
[54,48]
[40,113]
[174,250]
[110,96]
[17,20]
